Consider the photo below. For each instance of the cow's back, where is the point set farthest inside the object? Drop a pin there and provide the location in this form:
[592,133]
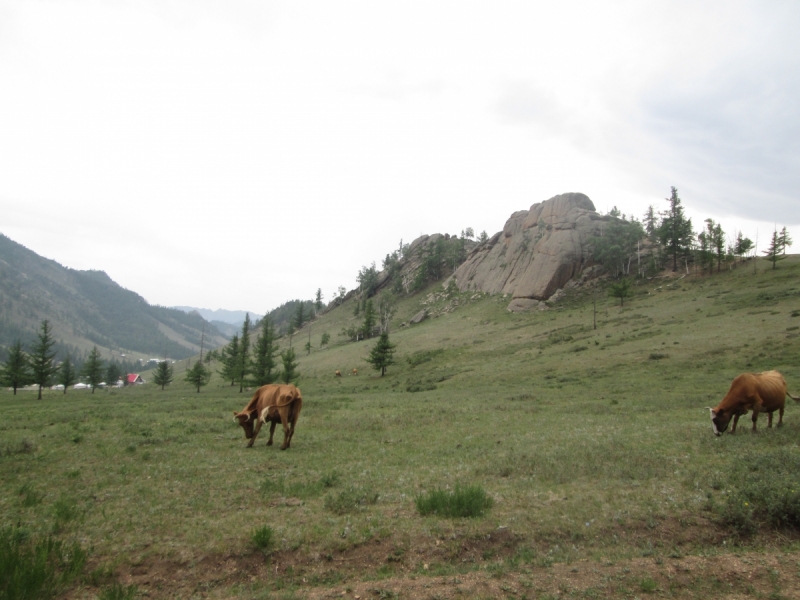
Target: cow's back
[771,388]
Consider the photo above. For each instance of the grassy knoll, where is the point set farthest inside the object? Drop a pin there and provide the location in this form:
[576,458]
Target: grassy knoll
[594,446]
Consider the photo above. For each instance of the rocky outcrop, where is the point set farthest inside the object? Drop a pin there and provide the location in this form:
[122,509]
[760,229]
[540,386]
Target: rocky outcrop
[537,253]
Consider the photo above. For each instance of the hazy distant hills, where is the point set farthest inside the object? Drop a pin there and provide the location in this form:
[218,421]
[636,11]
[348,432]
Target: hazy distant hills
[87,308]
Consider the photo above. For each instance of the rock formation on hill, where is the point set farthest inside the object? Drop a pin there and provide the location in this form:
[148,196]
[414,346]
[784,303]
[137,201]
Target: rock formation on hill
[538,251]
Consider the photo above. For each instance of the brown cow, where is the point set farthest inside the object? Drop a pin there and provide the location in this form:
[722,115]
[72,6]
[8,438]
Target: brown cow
[354,372]
[338,373]
[759,392]
[274,404]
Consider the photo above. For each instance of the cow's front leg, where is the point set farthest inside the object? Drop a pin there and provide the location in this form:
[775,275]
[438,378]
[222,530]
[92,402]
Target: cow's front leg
[780,416]
[755,416]
[271,432]
[255,433]
[735,421]
[769,420]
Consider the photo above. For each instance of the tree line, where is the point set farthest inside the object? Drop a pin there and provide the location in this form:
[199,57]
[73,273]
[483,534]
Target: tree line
[668,238]
[39,367]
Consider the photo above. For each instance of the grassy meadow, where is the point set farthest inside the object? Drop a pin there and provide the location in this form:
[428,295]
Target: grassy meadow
[594,446]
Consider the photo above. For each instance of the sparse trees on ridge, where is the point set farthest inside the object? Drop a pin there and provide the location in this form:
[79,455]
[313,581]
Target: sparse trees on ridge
[785,240]
[775,251]
[16,372]
[243,362]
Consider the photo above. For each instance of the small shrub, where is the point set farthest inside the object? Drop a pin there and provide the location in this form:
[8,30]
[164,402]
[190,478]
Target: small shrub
[118,592]
[658,356]
[463,501]
[36,569]
[765,491]
[420,386]
[648,585]
[350,500]
[329,480]
[578,348]
[264,538]
[422,357]
[24,447]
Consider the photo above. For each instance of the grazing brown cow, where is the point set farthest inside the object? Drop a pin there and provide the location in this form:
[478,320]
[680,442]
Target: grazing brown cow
[337,374]
[759,392]
[274,404]
[355,372]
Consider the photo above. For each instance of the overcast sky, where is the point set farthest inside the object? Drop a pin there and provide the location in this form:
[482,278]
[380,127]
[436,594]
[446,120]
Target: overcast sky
[240,154]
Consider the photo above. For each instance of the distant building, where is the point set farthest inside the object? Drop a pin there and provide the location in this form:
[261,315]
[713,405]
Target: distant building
[133,378]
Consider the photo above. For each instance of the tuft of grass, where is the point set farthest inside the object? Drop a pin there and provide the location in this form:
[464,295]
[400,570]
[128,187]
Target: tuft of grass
[263,538]
[658,356]
[350,500]
[24,447]
[30,497]
[765,492]
[117,591]
[648,585]
[463,501]
[36,569]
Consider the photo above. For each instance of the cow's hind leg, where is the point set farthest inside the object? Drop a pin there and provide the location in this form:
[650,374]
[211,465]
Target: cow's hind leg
[271,432]
[284,413]
[780,416]
[292,422]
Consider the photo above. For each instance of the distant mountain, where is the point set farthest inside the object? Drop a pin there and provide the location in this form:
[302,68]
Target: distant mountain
[231,317]
[87,308]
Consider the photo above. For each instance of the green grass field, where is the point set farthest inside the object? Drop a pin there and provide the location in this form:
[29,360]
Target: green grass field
[594,446]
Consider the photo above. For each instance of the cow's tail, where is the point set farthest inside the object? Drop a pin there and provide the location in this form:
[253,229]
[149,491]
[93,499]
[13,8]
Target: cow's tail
[265,410]
[795,398]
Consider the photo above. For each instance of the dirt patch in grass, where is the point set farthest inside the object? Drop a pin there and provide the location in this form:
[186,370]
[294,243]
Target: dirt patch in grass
[497,564]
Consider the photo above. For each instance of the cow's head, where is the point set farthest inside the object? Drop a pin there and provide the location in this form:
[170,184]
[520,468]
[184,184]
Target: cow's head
[246,420]
[720,420]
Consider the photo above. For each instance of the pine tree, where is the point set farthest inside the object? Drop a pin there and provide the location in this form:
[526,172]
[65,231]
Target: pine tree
[243,364]
[380,356]
[164,374]
[289,374]
[369,319]
[675,231]
[16,372]
[318,300]
[326,337]
[774,251]
[300,316]
[785,239]
[743,246]
[67,375]
[113,373]
[198,375]
[263,366]
[93,369]
[229,358]
[621,289]
[41,358]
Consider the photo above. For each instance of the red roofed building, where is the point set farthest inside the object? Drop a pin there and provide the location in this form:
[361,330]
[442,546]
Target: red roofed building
[133,378]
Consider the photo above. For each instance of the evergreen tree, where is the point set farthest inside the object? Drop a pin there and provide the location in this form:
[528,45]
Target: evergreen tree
[198,376]
[484,236]
[326,337]
[318,300]
[41,358]
[93,369]
[774,251]
[380,356]
[229,358]
[743,246]
[369,319]
[16,372]
[785,239]
[67,375]
[300,316]
[621,289]
[289,374]
[263,366]
[113,373]
[675,231]
[651,222]
[243,365]
[368,280]
[618,246]
[164,374]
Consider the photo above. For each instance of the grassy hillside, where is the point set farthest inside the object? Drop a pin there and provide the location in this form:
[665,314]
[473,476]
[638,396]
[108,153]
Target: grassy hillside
[87,308]
[594,445]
